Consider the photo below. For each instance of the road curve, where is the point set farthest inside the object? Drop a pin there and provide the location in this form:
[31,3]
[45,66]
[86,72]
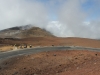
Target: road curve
[4,55]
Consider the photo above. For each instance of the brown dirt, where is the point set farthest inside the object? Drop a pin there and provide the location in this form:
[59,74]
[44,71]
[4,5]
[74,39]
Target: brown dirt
[6,48]
[49,41]
[53,63]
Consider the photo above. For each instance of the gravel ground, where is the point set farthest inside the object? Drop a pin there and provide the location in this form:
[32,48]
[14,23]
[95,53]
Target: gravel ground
[53,63]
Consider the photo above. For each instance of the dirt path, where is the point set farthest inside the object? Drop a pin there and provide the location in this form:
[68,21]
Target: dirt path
[42,49]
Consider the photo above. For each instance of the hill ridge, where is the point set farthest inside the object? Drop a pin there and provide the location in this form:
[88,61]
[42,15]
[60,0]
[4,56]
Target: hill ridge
[24,32]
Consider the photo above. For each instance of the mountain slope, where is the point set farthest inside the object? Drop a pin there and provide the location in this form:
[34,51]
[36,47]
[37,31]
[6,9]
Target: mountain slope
[35,32]
[24,32]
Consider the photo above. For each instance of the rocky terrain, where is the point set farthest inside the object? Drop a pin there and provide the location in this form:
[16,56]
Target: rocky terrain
[53,63]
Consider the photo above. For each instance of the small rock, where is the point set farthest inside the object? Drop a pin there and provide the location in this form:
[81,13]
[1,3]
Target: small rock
[96,54]
[24,68]
[54,55]
[95,63]
[15,73]
[52,45]
[32,58]
[46,55]
[47,73]
[17,58]
[0,68]
[77,67]
[57,74]
[85,58]
[76,58]
[56,71]
[6,63]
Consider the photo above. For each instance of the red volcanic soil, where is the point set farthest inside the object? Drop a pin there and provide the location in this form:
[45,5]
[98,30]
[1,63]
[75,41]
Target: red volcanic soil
[56,41]
[53,63]
[8,43]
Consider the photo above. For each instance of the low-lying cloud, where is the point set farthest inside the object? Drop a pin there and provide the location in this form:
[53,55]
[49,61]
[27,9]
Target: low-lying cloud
[22,12]
[73,19]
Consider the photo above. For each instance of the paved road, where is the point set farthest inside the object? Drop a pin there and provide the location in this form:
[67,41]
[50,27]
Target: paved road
[4,55]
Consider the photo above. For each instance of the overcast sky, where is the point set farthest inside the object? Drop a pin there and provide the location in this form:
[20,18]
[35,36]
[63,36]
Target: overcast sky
[64,18]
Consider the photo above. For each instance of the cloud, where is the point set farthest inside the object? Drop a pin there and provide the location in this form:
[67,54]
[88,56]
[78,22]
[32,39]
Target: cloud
[56,28]
[22,12]
[73,18]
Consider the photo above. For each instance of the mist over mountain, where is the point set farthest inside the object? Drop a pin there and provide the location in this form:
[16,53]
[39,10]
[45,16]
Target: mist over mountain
[25,32]
[63,18]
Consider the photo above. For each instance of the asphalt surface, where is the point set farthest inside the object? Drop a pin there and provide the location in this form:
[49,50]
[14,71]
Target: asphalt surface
[4,55]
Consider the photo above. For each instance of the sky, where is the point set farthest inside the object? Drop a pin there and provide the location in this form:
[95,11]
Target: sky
[63,18]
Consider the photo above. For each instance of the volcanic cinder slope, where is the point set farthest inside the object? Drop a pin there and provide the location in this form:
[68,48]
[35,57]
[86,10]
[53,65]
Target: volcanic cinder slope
[24,32]
[51,62]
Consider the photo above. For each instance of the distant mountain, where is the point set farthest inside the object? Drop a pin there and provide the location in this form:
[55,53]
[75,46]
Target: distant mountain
[24,32]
